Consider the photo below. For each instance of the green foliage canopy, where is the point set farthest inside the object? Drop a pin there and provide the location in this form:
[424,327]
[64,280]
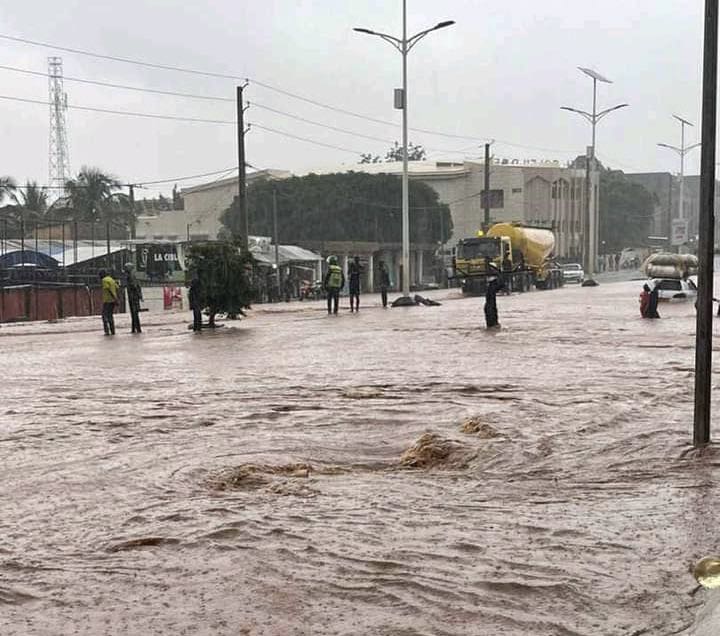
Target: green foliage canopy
[225,276]
[626,211]
[349,206]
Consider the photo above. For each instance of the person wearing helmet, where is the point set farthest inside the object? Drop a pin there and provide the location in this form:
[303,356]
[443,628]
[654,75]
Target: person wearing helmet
[334,282]
[134,296]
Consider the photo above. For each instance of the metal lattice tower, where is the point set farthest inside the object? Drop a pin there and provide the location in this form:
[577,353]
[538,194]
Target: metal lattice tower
[59,159]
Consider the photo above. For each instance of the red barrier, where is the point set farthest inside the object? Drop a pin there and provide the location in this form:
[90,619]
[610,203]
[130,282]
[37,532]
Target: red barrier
[26,302]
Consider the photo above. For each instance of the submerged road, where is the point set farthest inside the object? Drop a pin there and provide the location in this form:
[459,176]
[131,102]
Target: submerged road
[399,472]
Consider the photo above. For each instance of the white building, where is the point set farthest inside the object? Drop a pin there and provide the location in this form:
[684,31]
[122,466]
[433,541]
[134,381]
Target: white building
[535,193]
[204,205]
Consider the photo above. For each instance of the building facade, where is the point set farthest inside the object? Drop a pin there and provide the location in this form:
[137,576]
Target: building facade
[204,205]
[534,193]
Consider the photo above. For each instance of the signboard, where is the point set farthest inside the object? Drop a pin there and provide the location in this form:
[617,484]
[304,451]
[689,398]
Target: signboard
[679,233]
[157,261]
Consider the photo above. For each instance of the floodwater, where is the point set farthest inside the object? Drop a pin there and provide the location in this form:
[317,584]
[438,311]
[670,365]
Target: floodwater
[401,472]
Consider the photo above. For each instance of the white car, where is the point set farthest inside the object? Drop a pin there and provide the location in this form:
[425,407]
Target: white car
[674,288]
[573,273]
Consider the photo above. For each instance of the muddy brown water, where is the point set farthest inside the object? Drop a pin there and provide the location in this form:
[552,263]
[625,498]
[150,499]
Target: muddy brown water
[261,479]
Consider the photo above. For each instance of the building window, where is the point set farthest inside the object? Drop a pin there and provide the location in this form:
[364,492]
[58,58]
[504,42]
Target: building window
[497,199]
[555,190]
[517,190]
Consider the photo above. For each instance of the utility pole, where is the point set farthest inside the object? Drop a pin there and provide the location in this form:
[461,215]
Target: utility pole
[275,240]
[589,264]
[487,188]
[133,230]
[107,244]
[594,117]
[681,151]
[242,198]
[703,333]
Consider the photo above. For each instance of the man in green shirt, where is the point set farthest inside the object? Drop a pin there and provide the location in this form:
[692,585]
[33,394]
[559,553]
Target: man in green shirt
[110,299]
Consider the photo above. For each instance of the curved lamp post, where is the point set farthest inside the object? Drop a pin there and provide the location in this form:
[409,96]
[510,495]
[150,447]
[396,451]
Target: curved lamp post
[404,45]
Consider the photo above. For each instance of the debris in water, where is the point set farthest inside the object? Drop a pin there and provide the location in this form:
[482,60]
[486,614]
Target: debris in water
[475,425]
[143,542]
[253,476]
[707,572]
[431,451]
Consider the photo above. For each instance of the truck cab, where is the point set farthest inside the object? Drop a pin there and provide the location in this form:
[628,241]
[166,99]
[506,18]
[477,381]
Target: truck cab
[471,255]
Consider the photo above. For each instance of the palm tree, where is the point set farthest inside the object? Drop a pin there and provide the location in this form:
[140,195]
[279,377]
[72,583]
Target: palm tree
[7,187]
[32,200]
[90,195]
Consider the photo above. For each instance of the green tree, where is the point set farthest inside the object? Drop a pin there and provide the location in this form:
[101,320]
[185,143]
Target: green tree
[626,211]
[368,157]
[33,200]
[7,188]
[415,152]
[225,277]
[93,197]
[350,206]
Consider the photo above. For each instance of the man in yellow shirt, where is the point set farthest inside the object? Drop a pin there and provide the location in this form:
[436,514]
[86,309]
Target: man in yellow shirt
[110,299]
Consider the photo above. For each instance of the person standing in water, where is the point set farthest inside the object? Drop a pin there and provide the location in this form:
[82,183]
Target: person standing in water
[134,295]
[195,301]
[384,282]
[652,311]
[644,300]
[354,272]
[110,298]
[493,286]
[333,283]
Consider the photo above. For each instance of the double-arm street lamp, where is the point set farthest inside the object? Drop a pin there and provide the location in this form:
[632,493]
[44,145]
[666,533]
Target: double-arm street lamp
[404,45]
[594,117]
[682,151]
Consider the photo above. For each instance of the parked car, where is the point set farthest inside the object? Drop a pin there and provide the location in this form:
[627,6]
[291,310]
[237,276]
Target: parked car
[674,288]
[573,273]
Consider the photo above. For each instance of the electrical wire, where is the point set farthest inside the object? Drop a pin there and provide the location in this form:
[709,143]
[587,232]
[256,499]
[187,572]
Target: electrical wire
[121,86]
[122,112]
[138,183]
[270,87]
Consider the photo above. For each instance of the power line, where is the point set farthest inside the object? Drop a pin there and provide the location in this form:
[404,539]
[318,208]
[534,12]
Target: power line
[312,141]
[122,112]
[138,183]
[121,86]
[270,87]
[187,119]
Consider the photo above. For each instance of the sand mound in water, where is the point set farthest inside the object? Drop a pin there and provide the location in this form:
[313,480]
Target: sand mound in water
[433,451]
[253,476]
[476,426]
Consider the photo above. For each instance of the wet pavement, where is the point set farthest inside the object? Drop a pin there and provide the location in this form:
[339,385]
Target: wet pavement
[395,472]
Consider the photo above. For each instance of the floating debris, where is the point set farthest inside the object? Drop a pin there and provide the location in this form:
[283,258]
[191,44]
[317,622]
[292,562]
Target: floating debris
[432,451]
[476,426]
[707,572]
[254,476]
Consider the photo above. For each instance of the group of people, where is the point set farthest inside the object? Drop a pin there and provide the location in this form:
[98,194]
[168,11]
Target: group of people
[111,298]
[334,282]
[111,291]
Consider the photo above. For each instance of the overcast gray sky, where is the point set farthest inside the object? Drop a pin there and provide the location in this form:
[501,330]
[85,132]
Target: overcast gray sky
[501,72]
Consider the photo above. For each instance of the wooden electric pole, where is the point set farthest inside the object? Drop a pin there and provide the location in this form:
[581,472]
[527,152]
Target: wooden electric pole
[703,334]
[242,194]
[486,220]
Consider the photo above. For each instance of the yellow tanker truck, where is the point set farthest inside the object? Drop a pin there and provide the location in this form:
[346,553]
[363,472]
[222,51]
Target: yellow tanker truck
[522,254]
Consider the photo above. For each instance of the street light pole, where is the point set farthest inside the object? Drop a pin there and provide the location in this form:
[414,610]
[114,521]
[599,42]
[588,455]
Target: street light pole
[405,177]
[682,151]
[404,46]
[593,118]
